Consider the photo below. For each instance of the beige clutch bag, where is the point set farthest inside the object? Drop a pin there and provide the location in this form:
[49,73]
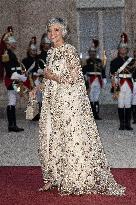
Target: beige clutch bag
[32,109]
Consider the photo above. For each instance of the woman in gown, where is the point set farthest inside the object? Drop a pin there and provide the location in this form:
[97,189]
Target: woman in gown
[70,150]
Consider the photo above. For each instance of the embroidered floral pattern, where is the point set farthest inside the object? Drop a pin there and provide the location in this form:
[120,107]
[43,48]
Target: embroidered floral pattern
[70,149]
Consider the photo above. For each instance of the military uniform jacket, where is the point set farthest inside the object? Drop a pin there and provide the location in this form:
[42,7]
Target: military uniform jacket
[94,69]
[43,56]
[28,62]
[134,75]
[10,67]
[125,76]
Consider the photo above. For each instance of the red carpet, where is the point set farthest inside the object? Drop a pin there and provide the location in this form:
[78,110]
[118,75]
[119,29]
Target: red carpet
[18,186]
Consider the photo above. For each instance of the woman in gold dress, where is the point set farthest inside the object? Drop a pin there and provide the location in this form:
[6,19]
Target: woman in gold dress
[70,150]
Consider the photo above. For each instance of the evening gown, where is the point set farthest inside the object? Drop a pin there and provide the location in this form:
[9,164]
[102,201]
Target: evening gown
[70,150]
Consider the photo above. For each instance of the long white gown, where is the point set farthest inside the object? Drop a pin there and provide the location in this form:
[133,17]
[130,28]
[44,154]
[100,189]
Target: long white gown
[70,150]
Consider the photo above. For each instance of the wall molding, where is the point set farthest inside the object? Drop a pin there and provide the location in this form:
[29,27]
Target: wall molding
[80,4]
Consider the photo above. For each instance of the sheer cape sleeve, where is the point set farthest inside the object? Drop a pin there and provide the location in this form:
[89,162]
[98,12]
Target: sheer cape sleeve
[47,71]
[73,64]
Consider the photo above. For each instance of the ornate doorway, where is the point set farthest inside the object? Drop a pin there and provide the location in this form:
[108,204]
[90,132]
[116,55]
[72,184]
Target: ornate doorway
[105,24]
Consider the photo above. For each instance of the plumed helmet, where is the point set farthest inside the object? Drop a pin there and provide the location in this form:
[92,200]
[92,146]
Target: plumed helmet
[10,29]
[8,37]
[94,45]
[45,39]
[123,41]
[32,43]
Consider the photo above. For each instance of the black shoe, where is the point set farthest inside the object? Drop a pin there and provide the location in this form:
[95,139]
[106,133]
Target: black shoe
[15,129]
[121,128]
[128,128]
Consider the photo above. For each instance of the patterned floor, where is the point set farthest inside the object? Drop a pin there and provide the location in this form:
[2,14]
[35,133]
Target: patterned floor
[20,149]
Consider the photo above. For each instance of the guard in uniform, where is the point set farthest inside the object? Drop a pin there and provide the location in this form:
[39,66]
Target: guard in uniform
[34,68]
[121,74]
[3,49]
[134,91]
[45,45]
[13,77]
[30,62]
[95,77]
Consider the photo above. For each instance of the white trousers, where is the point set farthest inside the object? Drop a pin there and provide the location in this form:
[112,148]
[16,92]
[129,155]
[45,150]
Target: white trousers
[125,96]
[94,90]
[12,97]
[134,94]
[39,96]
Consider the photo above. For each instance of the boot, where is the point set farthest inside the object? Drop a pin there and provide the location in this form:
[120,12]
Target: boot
[11,115]
[92,106]
[121,118]
[134,113]
[96,111]
[128,119]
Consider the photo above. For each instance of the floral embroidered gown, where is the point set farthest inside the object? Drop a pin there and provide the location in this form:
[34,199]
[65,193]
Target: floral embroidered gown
[70,149]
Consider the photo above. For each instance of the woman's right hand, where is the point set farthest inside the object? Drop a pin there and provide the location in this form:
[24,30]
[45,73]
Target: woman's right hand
[51,76]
